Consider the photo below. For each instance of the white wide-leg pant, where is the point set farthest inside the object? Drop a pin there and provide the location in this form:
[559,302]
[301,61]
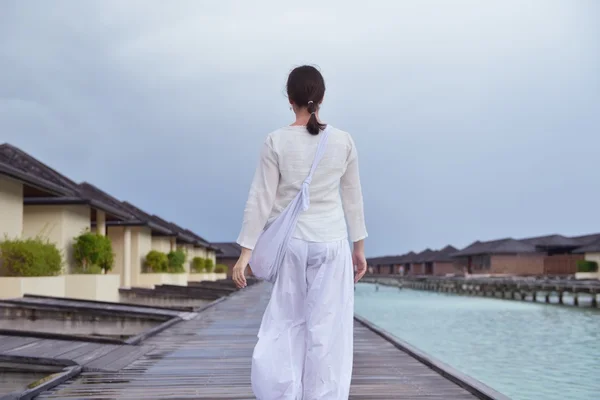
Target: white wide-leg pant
[305,342]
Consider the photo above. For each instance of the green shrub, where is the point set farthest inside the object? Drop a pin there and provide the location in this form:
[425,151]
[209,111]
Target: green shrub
[209,265]
[29,257]
[93,250]
[587,266]
[176,261]
[198,264]
[156,261]
[221,269]
[91,270]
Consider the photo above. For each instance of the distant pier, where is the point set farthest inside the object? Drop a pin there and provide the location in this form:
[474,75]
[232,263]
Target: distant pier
[546,290]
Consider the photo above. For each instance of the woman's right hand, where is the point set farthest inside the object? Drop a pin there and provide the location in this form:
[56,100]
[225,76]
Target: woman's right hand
[359,260]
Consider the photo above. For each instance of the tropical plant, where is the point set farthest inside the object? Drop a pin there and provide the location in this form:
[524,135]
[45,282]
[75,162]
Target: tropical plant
[176,260]
[221,269]
[198,264]
[587,266]
[29,257]
[209,265]
[156,261]
[91,249]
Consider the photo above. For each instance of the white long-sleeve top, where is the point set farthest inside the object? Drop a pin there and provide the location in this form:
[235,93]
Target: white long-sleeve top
[335,192]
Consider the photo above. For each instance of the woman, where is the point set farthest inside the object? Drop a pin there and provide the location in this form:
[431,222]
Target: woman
[305,344]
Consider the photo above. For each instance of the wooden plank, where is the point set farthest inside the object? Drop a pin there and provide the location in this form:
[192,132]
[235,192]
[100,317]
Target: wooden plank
[75,353]
[62,347]
[118,358]
[209,357]
[90,307]
[8,343]
[96,353]
[33,349]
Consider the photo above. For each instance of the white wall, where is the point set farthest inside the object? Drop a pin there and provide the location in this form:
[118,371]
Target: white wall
[161,243]
[60,224]
[12,287]
[11,208]
[93,287]
[593,257]
[200,252]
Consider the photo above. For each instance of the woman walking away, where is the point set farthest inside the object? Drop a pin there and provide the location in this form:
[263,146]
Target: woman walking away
[305,342]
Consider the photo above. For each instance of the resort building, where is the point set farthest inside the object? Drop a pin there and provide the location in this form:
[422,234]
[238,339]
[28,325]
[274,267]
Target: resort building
[36,201]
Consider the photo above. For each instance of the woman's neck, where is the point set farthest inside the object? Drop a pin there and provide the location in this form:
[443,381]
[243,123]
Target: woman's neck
[302,118]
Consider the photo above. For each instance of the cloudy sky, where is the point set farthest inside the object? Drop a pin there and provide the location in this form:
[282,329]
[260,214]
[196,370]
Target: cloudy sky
[474,120]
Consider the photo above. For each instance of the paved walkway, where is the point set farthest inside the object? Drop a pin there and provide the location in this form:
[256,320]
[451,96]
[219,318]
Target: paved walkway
[208,357]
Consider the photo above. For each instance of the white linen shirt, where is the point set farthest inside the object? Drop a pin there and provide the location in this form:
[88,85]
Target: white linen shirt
[335,192]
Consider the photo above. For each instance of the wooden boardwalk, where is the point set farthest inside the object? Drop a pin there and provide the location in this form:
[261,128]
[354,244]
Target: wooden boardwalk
[92,356]
[208,357]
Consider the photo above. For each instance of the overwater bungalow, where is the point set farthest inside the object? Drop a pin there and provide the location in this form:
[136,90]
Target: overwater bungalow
[504,256]
[406,262]
[417,265]
[385,265]
[441,262]
[558,250]
[543,255]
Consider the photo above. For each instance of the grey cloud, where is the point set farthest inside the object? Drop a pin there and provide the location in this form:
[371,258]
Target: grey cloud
[473,119]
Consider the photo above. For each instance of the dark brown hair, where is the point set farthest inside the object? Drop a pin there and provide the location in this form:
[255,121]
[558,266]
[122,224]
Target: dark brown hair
[306,88]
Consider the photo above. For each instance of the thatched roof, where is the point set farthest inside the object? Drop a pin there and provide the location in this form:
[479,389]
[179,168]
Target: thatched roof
[593,247]
[229,249]
[443,255]
[501,246]
[552,241]
[423,256]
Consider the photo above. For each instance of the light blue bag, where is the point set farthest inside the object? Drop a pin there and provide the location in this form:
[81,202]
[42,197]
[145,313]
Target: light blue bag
[273,241]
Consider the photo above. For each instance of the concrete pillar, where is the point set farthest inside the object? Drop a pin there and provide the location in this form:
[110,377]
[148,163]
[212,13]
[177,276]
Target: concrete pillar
[126,277]
[100,222]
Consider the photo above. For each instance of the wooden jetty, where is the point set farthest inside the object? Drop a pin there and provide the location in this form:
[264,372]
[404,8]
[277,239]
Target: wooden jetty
[209,357]
[548,290]
[196,294]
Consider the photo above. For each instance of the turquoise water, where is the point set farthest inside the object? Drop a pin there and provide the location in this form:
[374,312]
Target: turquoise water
[526,351]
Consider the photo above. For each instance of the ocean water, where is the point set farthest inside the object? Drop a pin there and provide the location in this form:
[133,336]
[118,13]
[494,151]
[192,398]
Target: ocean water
[526,351]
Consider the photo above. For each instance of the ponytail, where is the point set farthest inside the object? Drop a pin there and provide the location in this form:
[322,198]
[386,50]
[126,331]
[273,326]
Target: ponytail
[313,126]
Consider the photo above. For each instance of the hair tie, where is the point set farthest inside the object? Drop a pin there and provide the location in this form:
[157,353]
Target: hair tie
[310,102]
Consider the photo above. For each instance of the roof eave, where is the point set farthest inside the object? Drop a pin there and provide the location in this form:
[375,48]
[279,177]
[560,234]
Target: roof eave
[72,200]
[34,181]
